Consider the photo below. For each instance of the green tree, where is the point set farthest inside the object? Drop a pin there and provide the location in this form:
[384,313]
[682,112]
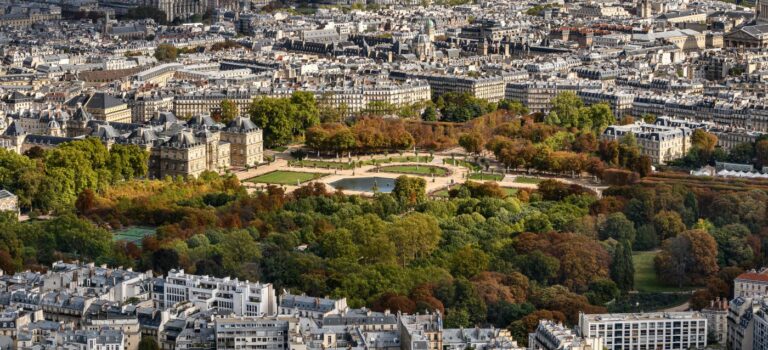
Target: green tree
[600,117]
[622,269]
[472,142]
[415,235]
[647,238]
[429,114]
[275,117]
[148,343]
[668,224]
[166,53]
[618,227]
[567,106]
[468,261]
[238,247]
[410,190]
[601,291]
[732,246]
[229,110]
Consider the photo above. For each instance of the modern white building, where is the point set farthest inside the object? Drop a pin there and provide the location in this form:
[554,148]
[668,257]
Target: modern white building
[646,331]
[243,298]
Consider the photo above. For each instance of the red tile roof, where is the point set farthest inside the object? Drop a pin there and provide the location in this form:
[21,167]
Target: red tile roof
[753,276]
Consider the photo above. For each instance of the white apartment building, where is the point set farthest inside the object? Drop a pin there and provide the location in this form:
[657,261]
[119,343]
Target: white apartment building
[660,143]
[243,298]
[646,331]
[751,284]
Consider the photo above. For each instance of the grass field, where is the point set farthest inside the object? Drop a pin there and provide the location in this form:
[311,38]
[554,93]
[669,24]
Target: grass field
[323,164]
[645,274]
[282,177]
[527,180]
[486,177]
[133,234]
[464,163]
[415,170]
[510,191]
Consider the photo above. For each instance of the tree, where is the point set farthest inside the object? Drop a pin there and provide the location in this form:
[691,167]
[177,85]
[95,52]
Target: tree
[688,258]
[601,291]
[618,227]
[538,266]
[166,53]
[495,287]
[761,153]
[238,248]
[229,110]
[410,190]
[148,343]
[647,238]
[462,107]
[468,261]
[733,249]
[567,106]
[600,117]
[514,107]
[668,224]
[471,142]
[704,141]
[742,153]
[415,235]
[283,118]
[275,117]
[429,114]
[164,259]
[622,269]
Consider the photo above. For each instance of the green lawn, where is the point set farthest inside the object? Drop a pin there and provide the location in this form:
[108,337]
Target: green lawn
[527,180]
[510,191]
[322,164]
[464,163]
[486,177]
[133,234]
[283,177]
[398,159]
[645,274]
[415,170]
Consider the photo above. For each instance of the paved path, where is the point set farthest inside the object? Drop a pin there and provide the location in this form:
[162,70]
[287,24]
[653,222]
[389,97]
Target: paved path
[457,174]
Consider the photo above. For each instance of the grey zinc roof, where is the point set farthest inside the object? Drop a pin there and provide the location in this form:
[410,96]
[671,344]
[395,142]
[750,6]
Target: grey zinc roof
[14,130]
[6,194]
[241,124]
[102,100]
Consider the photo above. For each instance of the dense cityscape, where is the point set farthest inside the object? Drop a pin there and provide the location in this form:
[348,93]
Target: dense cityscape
[383,174]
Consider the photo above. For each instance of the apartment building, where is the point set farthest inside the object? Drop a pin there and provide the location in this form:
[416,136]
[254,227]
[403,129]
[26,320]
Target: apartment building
[717,319]
[550,335]
[751,284]
[209,101]
[621,102]
[537,95]
[243,298]
[361,95]
[268,333]
[741,322]
[646,331]
[490,88]
[660,143]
